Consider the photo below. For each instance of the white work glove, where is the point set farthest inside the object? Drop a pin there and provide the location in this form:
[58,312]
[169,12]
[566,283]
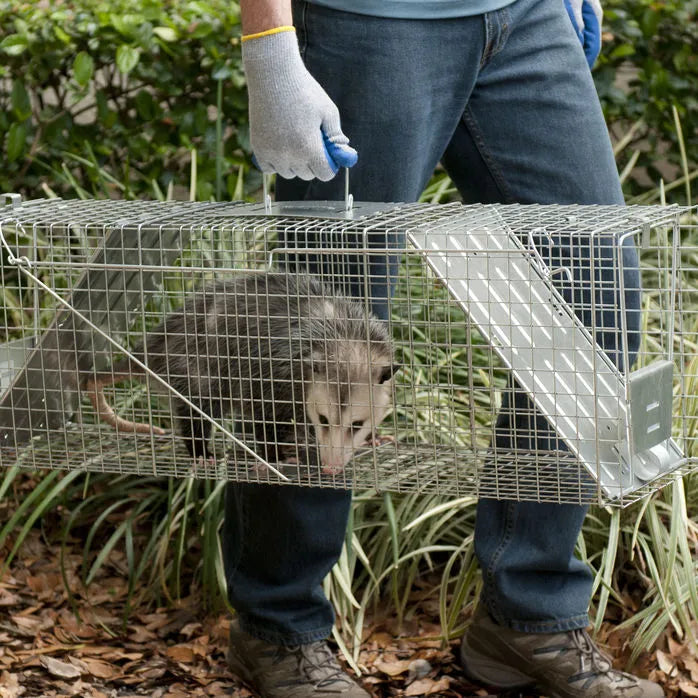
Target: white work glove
[586,16]
[294,125]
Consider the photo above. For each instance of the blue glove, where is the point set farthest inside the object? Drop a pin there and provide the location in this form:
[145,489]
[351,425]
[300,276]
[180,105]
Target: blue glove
[586,16]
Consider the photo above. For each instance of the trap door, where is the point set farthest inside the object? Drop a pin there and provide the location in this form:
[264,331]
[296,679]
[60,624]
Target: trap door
[510,297]
[44,392]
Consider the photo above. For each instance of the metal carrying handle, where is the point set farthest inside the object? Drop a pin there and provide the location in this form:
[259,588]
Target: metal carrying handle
[266,178]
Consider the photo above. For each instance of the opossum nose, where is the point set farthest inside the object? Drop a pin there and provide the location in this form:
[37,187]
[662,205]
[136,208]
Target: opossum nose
[332,469]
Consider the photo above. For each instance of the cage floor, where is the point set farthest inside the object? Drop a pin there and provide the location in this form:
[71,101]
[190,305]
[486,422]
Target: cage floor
[556,477]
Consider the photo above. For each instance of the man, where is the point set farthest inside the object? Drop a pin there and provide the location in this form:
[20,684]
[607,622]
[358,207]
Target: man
[500,92]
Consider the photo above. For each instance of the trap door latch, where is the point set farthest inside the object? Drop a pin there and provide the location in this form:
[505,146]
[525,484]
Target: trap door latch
[647,446]
[551,354]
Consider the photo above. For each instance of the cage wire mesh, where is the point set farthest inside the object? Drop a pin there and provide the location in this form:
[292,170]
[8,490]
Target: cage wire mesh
[513,352]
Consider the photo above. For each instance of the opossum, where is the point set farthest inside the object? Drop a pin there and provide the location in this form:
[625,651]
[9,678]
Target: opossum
[274,351]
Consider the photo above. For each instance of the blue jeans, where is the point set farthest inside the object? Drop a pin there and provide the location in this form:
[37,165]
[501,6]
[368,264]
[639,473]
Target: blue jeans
[506,102]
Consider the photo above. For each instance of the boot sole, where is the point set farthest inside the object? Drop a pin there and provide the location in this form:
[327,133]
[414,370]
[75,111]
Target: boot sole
[489,672]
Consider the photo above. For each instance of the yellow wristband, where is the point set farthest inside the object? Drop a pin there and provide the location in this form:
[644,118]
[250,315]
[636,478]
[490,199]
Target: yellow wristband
[268,32]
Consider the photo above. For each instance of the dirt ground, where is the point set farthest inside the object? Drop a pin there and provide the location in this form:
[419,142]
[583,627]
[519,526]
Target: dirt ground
[46,650]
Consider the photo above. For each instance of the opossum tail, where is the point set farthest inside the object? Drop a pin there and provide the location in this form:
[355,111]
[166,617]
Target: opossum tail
[94,386]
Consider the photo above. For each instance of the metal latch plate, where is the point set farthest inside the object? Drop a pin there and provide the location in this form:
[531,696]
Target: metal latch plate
[332,210]
[650,393]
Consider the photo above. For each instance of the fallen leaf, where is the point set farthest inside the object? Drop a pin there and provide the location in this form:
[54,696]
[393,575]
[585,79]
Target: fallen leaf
[688,687]
[25,627]
[189,629]
[675,648]
[394,668]
[382,639]
[71,625]
[58,668]
[154,621]
[48,649]
[153,671]
[141,635]
[9,685]
[427,687]
[666,663]
[181,653]
[177,690]
[692,667]
[45,585]
[77,688]
[98,667]
[8,598]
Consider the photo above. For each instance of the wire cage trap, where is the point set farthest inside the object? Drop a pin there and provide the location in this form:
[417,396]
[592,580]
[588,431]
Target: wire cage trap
[513,352]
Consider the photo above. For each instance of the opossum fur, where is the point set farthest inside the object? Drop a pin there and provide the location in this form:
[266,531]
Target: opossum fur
[292,360]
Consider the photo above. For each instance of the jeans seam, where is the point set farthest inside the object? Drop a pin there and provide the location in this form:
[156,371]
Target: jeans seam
[506,539]
[486,46]
[492,48]
[468,118]
[504,20]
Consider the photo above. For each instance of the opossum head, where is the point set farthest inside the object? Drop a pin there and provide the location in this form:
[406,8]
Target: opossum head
[347,395]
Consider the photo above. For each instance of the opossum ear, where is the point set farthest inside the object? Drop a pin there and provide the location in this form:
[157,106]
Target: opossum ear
[388,372]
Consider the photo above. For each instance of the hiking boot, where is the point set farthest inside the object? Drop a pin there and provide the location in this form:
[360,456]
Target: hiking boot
[301,671]
[560,665]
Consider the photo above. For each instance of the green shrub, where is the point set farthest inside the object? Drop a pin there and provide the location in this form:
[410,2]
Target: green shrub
[649,63]
[98,95]
[102,97]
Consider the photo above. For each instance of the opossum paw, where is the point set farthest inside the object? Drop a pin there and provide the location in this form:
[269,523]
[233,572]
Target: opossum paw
[291,460]
[258,469]
[203,460]
[380,440]
[327,470]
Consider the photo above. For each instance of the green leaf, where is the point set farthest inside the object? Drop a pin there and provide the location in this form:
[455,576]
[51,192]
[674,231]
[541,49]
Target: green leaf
[222,73]
[16,139]
[14,44]
[21,105]
[622,51]
[145,106]
[200,29]
[165,33]
[61,35]
[83,68]
[127,58]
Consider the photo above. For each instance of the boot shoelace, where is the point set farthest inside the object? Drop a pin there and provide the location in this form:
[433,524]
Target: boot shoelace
[593,663]
[317,663]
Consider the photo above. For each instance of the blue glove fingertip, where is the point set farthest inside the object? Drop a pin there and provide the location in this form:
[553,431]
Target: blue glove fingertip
[339,155]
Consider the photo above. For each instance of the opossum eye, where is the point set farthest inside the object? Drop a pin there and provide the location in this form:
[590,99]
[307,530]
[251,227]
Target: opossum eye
[388,372]
[357,425]
[323,420]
